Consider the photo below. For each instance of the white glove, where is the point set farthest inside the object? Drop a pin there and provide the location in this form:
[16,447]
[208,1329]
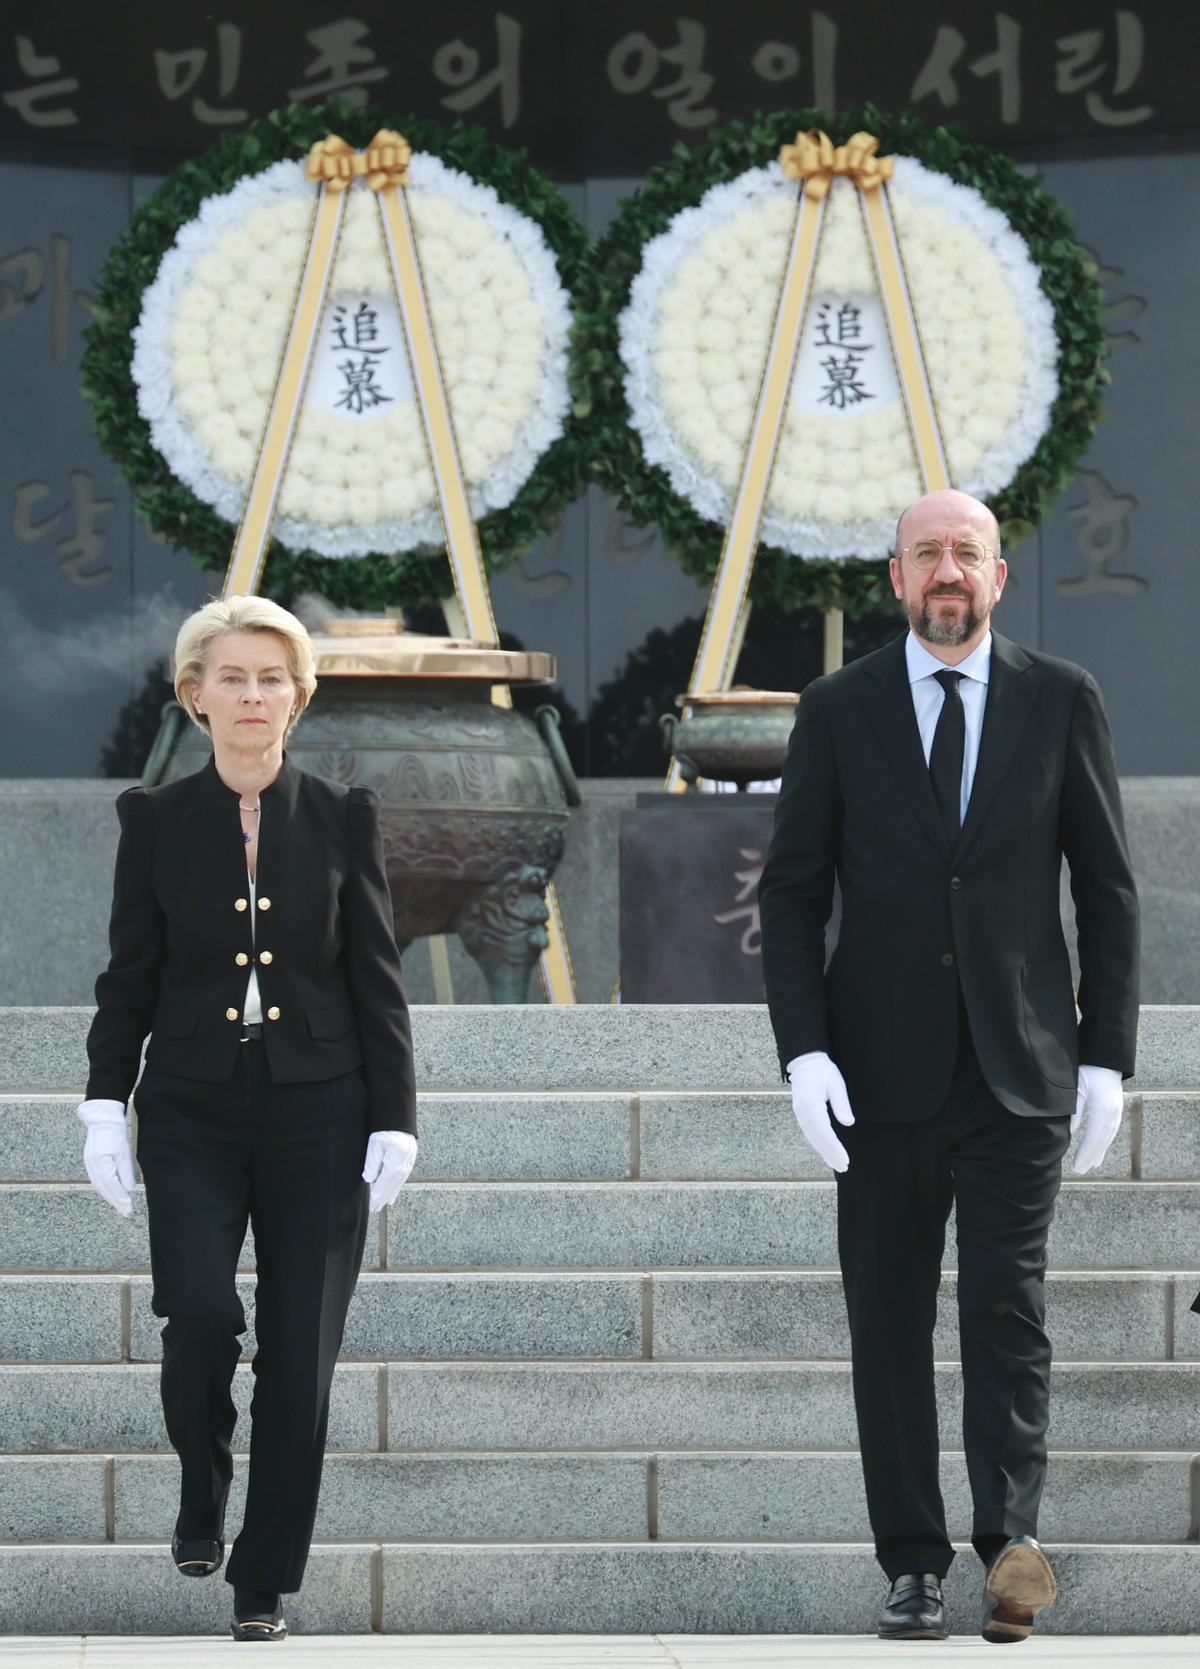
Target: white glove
[1099,1103]
[816,1080]
[391,1155]
[107,1155]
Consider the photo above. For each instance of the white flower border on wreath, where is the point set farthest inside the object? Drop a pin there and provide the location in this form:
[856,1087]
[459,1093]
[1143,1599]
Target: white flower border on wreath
[193,464]
[809,536]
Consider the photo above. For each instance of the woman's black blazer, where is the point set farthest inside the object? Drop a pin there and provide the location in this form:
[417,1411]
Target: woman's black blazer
[324,947]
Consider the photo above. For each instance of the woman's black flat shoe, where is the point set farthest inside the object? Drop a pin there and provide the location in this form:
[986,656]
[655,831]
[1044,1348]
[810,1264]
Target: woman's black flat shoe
[254,1618]
[197,1556]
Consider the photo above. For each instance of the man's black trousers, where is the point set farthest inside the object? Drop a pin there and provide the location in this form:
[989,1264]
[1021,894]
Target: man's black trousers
[287,1158]
[1002,1172]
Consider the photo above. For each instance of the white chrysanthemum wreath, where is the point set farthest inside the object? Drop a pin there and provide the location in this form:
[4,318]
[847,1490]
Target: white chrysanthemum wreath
[213,323]
[694,335]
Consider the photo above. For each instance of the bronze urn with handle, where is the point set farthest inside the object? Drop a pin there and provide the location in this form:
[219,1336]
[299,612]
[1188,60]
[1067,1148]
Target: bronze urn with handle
[475,796]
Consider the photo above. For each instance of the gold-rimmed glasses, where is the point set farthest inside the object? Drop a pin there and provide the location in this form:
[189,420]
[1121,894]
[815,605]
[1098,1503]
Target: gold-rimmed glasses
[967,553]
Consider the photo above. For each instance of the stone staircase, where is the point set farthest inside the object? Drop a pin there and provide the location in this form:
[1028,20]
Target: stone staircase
[595,1375]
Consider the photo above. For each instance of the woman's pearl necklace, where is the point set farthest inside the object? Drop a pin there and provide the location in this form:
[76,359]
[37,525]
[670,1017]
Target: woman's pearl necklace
[247,838]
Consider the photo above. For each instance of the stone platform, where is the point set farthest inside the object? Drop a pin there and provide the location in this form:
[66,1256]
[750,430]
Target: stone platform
[58,838]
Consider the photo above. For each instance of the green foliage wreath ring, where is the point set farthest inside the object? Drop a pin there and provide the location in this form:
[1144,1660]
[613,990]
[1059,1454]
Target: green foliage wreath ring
[1067,276]
[369,582]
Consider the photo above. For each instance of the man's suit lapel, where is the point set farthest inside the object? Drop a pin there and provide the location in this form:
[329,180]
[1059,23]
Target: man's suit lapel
[889,707]
[1012,686]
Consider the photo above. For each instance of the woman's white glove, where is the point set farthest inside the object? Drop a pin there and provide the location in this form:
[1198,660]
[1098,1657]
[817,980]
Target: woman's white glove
[1099,1104]
[816,1081]
[107,1155]
[391,1155]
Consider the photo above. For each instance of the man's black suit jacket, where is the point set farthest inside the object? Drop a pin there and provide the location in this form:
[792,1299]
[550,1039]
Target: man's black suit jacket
[919,918]
[325,951]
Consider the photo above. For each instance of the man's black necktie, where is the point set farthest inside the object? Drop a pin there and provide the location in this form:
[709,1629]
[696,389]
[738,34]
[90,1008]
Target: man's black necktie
[946,755]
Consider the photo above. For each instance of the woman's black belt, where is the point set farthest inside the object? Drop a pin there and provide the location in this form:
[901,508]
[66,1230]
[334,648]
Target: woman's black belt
[250,1032]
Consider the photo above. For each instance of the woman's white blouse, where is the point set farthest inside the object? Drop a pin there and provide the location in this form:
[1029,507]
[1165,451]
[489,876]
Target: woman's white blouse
[252,1011]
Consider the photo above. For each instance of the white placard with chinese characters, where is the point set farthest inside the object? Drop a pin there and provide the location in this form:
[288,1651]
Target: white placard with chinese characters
[844,366]
[360,367]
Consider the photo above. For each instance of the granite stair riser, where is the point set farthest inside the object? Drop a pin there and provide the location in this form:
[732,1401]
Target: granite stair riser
[612,1225]
[656,1136]
[115,1409]
[597,1046]
[662,1588]
[717,1406]
[754,1225]
[66,1226]
[574,1406]
[107,1318]
[137,1590]
[808,1589]
[1144,1498]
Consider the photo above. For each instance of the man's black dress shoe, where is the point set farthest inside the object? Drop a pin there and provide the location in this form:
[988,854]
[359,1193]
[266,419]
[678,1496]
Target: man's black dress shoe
[197,1556]
[1019,1584]
[913,1609]
[257,1615]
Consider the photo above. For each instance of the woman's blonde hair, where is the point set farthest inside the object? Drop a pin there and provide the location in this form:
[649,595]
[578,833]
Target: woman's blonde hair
[201,630]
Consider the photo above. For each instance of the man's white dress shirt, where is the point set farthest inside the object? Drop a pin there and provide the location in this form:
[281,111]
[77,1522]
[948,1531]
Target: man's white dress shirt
[928,695]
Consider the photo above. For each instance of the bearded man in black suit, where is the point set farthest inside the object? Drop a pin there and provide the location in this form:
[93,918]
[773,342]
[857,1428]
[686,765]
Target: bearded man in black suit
[942,780]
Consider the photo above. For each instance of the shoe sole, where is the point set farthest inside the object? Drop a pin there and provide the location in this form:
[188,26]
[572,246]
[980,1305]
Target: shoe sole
[1022,1584]
[919,1634]
[246,1632]
[200,1568]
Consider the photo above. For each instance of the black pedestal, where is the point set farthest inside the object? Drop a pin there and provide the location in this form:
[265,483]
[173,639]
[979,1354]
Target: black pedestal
[690,865]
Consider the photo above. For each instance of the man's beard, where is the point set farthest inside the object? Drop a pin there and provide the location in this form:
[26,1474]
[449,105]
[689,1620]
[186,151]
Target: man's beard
[952,630]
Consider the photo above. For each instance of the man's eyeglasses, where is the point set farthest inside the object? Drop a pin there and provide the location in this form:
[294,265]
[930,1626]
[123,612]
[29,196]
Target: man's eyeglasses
[967,553]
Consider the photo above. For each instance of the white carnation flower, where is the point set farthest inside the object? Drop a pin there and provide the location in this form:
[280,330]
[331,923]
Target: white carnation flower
[522,377]
[473,369]
[467,400]
[327,504]
[198,399]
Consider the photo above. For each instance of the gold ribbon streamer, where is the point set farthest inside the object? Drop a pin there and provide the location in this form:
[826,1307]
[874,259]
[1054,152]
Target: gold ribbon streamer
[458,524]
[814,160]
[905,340]
[333,165]
[308,308]
[717,654]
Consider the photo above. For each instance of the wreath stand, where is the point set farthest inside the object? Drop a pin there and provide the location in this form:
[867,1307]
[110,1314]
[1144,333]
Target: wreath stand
[813,161]
[334,166]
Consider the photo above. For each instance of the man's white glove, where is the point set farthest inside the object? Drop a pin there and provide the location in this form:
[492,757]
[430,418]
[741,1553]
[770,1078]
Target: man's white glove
[815,1081]
[391,1155]
[1099,1103]
[107,1155]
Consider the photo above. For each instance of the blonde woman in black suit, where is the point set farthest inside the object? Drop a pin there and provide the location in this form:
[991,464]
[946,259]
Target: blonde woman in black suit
[252,938]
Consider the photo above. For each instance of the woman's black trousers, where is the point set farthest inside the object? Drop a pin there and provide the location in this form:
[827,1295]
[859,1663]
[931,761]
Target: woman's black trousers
[287,1159]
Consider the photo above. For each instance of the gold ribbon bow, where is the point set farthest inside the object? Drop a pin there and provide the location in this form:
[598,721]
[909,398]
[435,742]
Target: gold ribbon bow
[815,159]
[334,163]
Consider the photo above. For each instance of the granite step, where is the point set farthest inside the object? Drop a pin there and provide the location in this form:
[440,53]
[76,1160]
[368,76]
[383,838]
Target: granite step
[597,1046]
[726,1315]
[611,1225]
[579,1136]
[571,1406]
[658,1587]
[785,1495]
[760,1225]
